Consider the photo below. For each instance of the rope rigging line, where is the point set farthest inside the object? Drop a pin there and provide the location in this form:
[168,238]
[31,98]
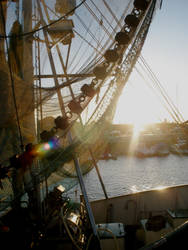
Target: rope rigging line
[86,28]
[57,47]
[69,85]
[105,45]
[152,89]
[90,66]
[92,63]
[87,41]
[47,25]
[69,136]
[101,101]
[110,35]
[87,66]
[118,25]
[160,85]
[115,30]
[111,12]
[78,50]
[162,91]
[126,68]
[104,17]
[73,98]
[57,157]
[99,21]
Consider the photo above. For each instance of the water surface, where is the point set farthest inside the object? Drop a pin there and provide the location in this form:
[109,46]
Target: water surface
[130,174]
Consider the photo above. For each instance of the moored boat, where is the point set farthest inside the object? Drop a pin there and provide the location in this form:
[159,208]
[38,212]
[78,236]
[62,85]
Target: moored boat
[158,150]
[179,148]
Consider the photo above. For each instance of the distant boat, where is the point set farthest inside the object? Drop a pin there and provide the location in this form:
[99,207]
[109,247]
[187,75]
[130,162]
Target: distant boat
[180,148]
[108,157]
[159,149]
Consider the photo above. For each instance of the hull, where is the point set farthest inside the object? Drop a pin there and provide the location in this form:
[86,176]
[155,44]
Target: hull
[129,209]
[135,210]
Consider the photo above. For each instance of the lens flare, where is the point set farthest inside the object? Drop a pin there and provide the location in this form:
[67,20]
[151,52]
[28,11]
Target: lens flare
[47,146]
[44,148]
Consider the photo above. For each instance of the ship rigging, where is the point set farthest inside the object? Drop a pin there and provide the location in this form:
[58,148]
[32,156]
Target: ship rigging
[62,62]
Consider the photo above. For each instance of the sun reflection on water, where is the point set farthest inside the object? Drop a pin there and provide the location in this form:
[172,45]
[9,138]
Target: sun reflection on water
[160,188]
[134,189]
[138,127]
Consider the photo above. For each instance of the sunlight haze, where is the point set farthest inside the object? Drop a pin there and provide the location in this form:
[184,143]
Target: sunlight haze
[166,52]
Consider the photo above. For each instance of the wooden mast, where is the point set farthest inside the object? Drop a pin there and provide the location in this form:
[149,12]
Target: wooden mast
[2,19]
[28,122]
[27,68]
[4,76]
[9,143]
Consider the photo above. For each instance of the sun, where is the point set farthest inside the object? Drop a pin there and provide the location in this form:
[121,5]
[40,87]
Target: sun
[138,107]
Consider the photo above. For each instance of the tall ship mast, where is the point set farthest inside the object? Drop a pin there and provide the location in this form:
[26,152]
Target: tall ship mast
[63,67]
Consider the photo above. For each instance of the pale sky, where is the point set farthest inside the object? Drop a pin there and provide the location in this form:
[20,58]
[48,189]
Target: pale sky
[166,52]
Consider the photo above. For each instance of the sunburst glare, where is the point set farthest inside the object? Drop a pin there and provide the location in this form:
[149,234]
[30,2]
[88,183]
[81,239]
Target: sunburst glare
[138,127]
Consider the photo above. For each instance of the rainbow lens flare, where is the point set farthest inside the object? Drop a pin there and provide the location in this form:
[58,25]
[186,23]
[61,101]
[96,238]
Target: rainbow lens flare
[44,148]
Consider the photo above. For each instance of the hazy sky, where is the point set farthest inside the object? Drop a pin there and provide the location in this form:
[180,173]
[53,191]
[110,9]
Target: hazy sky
[166,52]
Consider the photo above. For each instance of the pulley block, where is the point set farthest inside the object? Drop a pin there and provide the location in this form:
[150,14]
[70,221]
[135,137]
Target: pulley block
[75,107]
[111,55]
[100,72]
[132,21]
[88,90]
[61,122]
[141,4]
[122,38]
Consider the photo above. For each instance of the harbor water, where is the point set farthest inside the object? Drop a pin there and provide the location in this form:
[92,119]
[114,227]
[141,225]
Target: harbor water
[130,174]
